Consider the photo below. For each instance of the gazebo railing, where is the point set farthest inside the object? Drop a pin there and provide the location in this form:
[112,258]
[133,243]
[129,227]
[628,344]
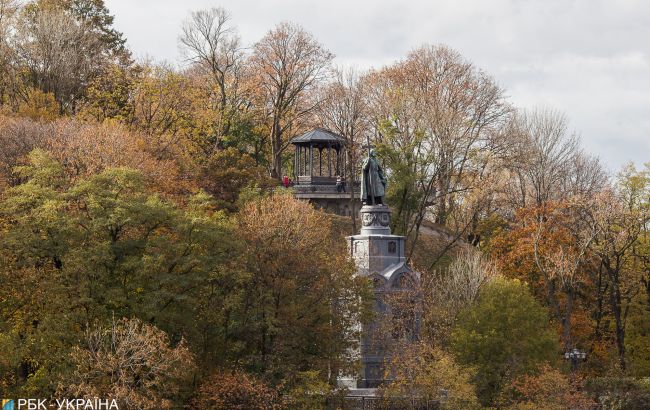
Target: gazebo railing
[316,180]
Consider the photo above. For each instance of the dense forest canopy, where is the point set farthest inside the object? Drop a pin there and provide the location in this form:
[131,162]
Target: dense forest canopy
[149,253]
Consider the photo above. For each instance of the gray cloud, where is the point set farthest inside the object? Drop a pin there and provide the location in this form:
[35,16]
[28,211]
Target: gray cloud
[588,58]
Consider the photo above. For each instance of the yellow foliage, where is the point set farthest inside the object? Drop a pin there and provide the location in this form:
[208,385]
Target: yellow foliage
[426,372]
[39,106]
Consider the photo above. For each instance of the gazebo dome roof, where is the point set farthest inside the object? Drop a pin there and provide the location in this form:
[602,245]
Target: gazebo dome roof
[319,135]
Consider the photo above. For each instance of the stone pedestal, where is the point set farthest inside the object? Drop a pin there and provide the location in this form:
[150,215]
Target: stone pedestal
[375,250]
[381,256]
[375,220]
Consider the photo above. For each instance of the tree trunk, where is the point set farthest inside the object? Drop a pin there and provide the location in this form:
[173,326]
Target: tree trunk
[276,151]
[568,312]
[601,291]
[615,303]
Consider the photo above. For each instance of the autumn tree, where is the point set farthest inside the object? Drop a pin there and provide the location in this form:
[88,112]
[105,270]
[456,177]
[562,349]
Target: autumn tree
[436,115]
[561,243]
[132,362]
[288,65]
[9,80]
[162,104]
[635,186]
[19,136]
[38,106]
[447,291]
[212,44]
[237,390]
[96,247]
[95,15]
[426,373]
[550,247]
[301,304]
[109,96]
[63,48]
[343,110]
[620,223]
[227,172]
[548,390]
[583,257]
[549,162]
[85,149]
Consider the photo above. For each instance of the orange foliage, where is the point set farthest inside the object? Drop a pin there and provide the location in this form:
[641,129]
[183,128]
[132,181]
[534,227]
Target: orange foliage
[547,227]
[548,247]
[549,390]
[86,149]
[236,390]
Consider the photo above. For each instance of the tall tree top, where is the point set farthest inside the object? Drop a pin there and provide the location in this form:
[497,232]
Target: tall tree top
[95,15]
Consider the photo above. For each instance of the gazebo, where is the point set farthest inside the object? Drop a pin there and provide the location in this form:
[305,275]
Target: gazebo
[319,157]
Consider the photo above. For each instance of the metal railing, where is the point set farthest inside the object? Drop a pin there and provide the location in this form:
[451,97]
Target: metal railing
[381,403]
[300,188]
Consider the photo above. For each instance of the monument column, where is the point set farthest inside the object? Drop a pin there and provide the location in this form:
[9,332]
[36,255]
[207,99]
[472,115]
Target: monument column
[378,255]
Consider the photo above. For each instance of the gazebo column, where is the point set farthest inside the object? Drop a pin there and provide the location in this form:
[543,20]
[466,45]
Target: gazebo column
[338,162]
[329,159]
[304,161]
[320,162]
[311,160]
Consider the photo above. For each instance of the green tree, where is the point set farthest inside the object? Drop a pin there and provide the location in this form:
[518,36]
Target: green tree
[504,335]
[83,252]
[95,15]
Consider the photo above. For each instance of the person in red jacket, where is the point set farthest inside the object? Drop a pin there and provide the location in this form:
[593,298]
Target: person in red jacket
[285,181]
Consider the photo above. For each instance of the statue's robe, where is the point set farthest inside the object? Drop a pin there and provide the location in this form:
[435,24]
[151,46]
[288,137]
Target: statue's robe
[372,168]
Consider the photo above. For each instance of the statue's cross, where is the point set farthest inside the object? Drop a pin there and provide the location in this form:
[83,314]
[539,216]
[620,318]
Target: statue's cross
[367,145]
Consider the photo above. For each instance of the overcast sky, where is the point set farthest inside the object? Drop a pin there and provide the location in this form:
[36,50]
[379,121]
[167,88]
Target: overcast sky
[587,58]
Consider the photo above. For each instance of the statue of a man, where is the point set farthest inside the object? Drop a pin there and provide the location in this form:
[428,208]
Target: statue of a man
[373,181]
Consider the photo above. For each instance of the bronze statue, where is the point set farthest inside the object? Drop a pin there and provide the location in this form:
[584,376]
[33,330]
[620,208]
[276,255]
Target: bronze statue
[373,181]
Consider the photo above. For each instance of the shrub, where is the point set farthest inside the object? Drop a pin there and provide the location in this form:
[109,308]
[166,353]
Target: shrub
[624,393]
[548,390]
[236,390]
